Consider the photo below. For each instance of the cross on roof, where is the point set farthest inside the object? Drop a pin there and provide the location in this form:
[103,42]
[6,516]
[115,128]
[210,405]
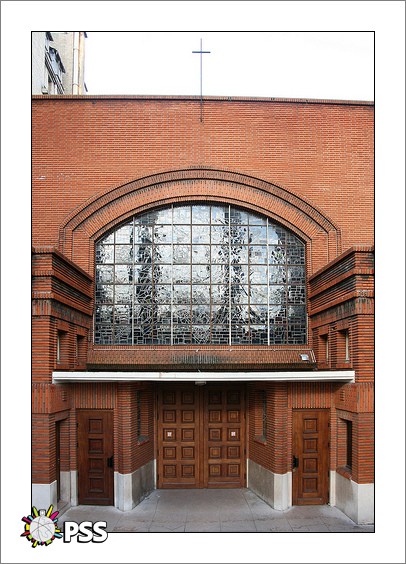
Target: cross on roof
[201,52]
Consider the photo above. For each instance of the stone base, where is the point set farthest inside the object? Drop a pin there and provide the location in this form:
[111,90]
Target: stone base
[130,489]
[355,500]
[44,495]
[275,489]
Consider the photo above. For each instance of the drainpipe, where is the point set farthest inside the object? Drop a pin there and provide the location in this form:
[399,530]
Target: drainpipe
[75,77]
[81,73]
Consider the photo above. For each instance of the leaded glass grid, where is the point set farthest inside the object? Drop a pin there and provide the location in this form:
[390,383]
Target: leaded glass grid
[200,274]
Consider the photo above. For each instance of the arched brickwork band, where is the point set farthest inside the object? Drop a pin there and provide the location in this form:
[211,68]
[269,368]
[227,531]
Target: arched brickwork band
[101,213]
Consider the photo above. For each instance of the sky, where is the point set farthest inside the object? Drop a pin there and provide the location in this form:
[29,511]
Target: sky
[337,62]
[323,65]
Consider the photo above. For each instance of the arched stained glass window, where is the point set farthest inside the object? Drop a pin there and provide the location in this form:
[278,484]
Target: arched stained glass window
[200,274]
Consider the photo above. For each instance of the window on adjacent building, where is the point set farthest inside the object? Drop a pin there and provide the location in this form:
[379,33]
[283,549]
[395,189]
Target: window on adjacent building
[200,274]
[53,69]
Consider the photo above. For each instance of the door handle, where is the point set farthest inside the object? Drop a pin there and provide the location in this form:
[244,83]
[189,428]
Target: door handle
[295,462]
[110,462]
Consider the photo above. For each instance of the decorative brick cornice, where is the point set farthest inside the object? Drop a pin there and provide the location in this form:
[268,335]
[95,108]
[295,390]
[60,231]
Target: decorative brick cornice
[352,251]
[57,279]
[93,205]
[103,212]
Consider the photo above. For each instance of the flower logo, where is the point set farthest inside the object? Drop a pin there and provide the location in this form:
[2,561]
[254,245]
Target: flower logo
[41,527]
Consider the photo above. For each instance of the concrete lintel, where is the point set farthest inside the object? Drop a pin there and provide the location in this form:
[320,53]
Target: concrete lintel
[61,377]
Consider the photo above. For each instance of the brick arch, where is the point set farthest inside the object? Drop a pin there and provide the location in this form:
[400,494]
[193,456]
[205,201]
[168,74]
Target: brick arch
[104,211]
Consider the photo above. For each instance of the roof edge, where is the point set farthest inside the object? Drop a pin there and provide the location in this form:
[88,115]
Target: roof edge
[185,98]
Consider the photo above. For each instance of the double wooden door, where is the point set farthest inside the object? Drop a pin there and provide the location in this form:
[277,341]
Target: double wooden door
[310,457]
[201,436]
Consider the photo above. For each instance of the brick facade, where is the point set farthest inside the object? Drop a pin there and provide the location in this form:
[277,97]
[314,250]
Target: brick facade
[306,164]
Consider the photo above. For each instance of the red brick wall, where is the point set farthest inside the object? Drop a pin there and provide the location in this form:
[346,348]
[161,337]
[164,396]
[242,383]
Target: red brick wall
[132,452]
[270,451]
[85,146]
[43,448]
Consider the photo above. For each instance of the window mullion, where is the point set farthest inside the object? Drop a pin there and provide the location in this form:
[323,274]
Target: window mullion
[172,274]
[133,292]
[267,282]
[229,276]
[113,338]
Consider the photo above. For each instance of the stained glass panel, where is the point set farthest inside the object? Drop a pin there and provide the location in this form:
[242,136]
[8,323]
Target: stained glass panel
[200,274]
[104,274]
[201,234]
[258,235]
[181,234]
[104,254]
[200,215]
[125,234]
[201,254]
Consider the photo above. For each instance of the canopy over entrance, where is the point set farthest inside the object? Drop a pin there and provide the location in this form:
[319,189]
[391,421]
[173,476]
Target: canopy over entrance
[300,376]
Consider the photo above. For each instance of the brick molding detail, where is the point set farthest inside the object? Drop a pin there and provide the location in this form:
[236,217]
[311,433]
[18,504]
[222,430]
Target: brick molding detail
[104,211]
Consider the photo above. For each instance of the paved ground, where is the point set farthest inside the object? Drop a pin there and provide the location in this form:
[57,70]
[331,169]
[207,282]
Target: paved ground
[209,511]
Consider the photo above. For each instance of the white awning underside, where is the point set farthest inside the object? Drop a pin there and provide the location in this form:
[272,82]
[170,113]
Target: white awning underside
[197,376]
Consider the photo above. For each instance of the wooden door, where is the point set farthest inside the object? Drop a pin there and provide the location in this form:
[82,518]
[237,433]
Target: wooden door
[201,436]
[310,457]
[95,457]
[224,437]
[179,460]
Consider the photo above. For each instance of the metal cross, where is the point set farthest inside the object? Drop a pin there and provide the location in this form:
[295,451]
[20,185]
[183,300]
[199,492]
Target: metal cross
[201,52]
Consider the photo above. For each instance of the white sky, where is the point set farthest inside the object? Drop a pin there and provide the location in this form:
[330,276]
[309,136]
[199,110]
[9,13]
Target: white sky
[332,65]
[324,65]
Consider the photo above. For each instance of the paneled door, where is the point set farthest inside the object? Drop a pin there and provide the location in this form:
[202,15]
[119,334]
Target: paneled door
[310,457]
[224,437]
[201,436]
[95,457]
[179,428]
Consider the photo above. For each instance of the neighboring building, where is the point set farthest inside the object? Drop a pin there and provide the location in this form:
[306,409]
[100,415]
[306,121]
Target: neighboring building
[203,299]
[58,59]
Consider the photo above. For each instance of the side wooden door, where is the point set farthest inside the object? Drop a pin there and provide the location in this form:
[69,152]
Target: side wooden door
[310,476]
[95,457]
